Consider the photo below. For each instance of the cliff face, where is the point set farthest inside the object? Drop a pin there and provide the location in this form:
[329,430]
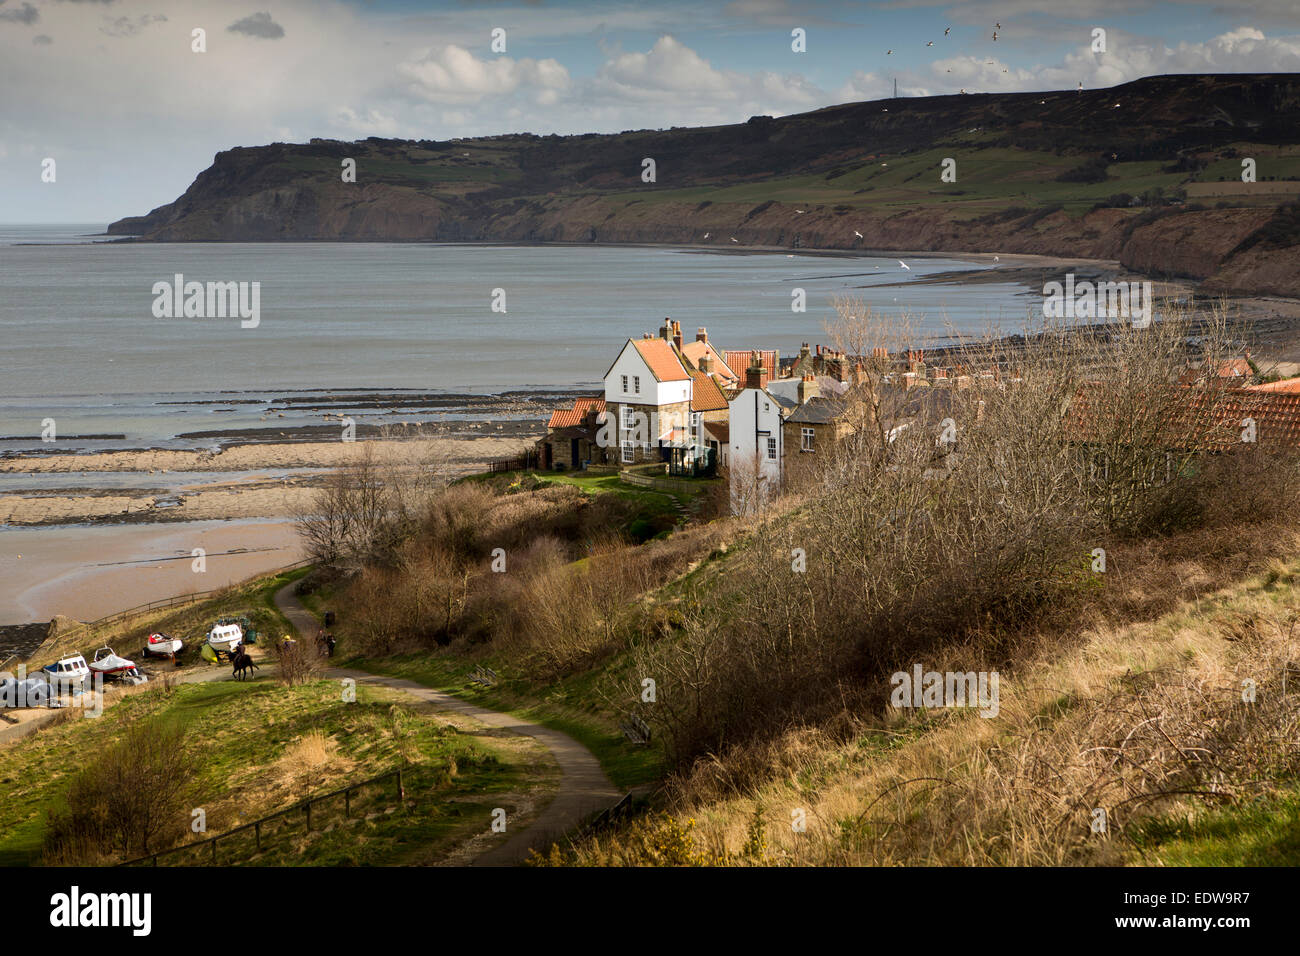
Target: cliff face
[1054,173]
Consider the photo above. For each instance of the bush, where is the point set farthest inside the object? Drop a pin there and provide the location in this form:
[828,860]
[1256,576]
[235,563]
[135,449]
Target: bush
[130,801]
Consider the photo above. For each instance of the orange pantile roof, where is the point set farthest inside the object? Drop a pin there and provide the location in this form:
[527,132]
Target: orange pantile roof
[1209,418]
[1290,386]
[694,351]
[738,360]
[662,361]
[705,394]
[572,417]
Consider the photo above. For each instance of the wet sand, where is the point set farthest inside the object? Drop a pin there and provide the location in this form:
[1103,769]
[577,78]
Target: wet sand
[86,552]
[86,573]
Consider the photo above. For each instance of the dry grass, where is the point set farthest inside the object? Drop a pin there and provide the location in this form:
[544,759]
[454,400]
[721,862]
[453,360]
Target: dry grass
[1139,720]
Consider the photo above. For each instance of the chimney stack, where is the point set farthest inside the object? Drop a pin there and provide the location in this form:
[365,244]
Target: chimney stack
[666,333]
[702,335]
[756,374]
[808,388]
[706,363]
[677,336]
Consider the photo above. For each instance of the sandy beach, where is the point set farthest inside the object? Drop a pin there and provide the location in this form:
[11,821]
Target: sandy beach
[74,548]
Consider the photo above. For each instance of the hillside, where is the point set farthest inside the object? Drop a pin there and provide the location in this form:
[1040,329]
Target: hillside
[1147,173]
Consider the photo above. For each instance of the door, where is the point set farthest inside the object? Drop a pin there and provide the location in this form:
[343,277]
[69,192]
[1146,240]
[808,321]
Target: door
[574,457]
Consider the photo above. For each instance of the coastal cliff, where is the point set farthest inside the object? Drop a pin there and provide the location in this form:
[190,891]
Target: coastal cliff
[1028,175]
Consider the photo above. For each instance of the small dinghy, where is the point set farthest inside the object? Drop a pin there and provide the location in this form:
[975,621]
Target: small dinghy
[67,673]
[163,645]
[107,662]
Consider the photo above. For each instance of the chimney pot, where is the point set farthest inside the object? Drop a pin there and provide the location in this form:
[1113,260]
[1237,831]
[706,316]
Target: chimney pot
[702,335]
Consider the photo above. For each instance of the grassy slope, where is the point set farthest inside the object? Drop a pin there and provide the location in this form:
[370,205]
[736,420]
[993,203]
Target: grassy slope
[254,752]
[1201,646]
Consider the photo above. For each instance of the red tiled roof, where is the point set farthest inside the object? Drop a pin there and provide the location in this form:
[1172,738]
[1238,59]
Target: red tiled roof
[662,361]
[1210,418]
[1290,386]
[694,351]
[738,360]
[572,417]
[705,394]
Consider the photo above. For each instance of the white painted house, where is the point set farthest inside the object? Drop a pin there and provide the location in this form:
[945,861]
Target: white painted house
[648,395]
[754,434]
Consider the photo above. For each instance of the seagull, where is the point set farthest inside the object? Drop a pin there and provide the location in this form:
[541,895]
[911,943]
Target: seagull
[963,89]
[1080,90]
[946,31]
[930,43]
[996,259]
[799,211]
[858,234]
[706,235]
[995,36]
[997,26]
[904,265]
[734,239]
[889,52]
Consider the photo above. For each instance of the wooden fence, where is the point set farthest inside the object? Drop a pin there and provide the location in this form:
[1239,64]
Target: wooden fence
[304,807]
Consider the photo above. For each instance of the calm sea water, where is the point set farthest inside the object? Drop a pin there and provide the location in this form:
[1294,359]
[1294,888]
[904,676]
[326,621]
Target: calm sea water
[80,342]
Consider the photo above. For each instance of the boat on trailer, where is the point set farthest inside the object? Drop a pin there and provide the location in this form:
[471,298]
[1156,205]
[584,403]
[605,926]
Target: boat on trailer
[163,645]
[67,673]
[224,638]
[109,664]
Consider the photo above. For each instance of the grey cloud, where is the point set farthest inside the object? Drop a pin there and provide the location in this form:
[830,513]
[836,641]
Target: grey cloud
[129,27]
[41,40]
[258,25]
[27,14]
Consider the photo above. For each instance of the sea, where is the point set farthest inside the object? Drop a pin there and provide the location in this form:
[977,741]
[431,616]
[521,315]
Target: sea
[355,327]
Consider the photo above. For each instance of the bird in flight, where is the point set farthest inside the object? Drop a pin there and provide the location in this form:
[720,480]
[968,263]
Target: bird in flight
[856,233]
[888,52]
[995,36]
[734,239]
[997,26]
[799,211]
[930,43]
[904,265]
[946,30]
[706,235]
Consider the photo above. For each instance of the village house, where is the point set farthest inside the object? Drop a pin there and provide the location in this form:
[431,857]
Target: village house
[648,394]
[756,440]
[572,439]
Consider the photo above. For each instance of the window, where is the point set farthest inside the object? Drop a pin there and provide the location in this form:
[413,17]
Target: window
[806,439]
[636,384]
[629,452]
[624,384]
[771,449]
[767,407]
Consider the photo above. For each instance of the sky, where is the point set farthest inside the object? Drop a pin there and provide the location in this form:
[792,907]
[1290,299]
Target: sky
[114,93]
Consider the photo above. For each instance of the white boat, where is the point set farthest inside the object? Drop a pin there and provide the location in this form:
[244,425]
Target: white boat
[107,662]
[163,645]
[67,673]
[225,637]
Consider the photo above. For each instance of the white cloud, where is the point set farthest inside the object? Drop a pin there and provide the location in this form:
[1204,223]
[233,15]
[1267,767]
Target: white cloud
[453,74]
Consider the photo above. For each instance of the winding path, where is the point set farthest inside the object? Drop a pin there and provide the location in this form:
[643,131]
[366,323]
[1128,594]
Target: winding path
[584,789]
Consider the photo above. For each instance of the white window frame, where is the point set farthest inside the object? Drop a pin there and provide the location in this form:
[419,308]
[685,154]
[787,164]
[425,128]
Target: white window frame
[624,384]
[629,452]
[771,448]
[636,384]
[806,437]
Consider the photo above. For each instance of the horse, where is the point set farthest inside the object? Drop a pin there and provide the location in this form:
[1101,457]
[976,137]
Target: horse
[242,663]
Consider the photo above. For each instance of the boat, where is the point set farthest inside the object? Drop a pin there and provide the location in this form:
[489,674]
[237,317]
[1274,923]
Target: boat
[224,638]
[107,662]
[163,645]
[68,672]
